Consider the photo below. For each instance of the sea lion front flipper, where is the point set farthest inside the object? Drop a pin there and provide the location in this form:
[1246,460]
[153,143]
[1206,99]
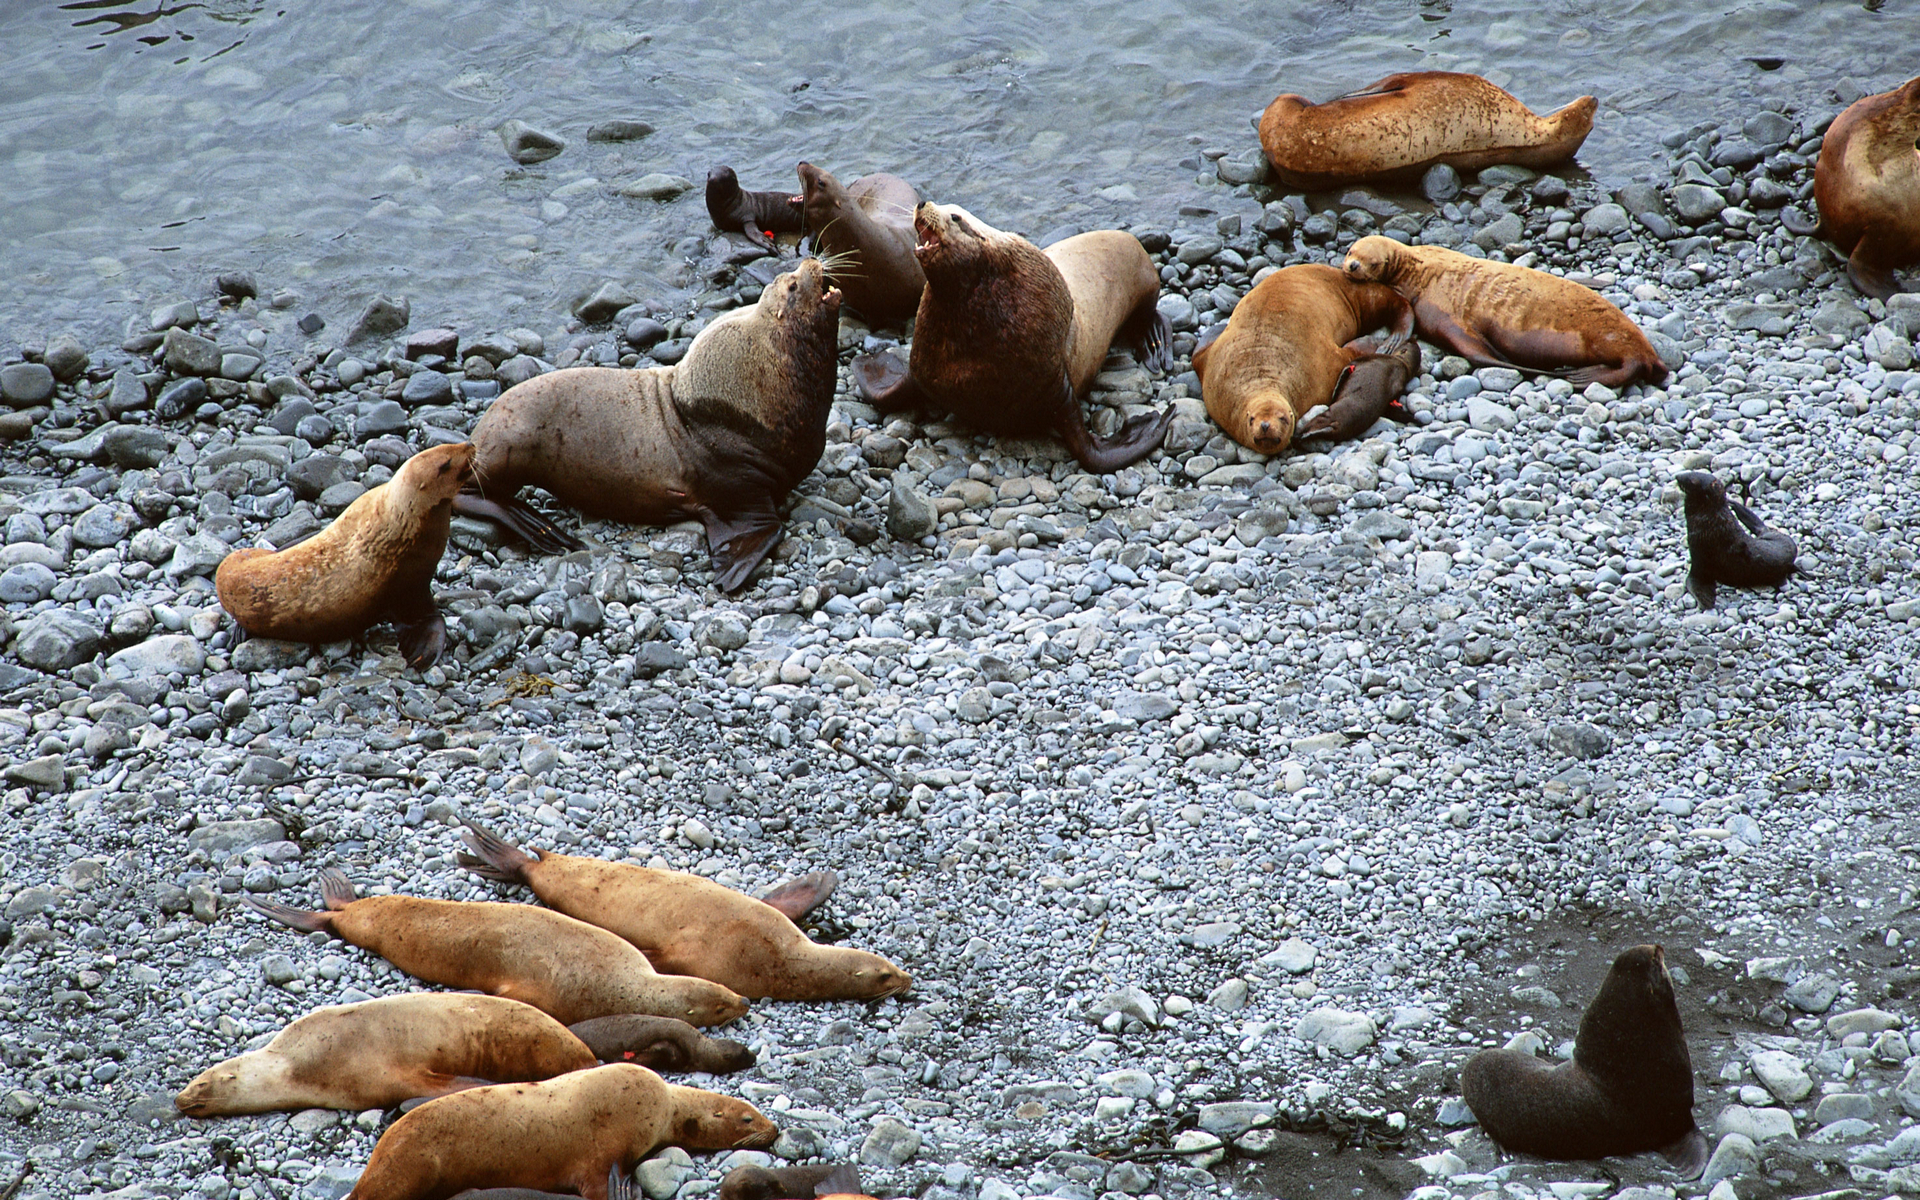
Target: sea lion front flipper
[517,515]
[422,641]
[619,1183]
[1151,336]
[1133,441]
[798,897]
[1702,588]
[1397,410]
[1688,1155]
[1797,223]
[1749,518]
[1872,280]
[886,383]
[739,541]
[1438,326]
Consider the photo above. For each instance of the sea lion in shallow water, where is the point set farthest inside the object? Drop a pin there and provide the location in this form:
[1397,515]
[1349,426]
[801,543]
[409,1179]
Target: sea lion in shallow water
[1370,388]
[1497,314]
[723,435]
[1405,123]
[374,563]
[758,216]
[1867,188]
[1727,542]
[1628,1089]
[865,230]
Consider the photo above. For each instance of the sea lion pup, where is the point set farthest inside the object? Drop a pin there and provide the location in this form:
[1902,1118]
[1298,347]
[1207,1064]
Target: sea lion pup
[661,1044]
[563,1135]
[722,435]
[1727,542]
[374,563]
[1867,188]
[1370,388]
[759,216]
[1285,346]
[568,969]
[1497,314]
[866,230]
[1628,1089]
[694,926]
[817,1182]
[1009,337]
[619,1187]
[1405,123]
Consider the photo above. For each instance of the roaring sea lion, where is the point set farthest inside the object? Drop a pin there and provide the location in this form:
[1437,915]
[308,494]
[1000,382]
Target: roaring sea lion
[660,1043]
[1727,542]
[567,969]
[817,1182]
[563,1135]
[1009,337]
[1628,1089]
[866,230]
[1370,388]
[694,926]
[1496,314]
[757,215]
[374,563]
[722,435]
[1406,123]
[1285,347]
[1867,187]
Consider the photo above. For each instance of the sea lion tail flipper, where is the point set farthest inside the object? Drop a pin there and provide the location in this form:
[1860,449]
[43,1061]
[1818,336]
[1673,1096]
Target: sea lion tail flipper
[498,859]
[293,918]
[619,1183]
[336,890]
[798,897]
[1797,222]
[738,543]
[1688,1155]
[886,383]
[1702,589]
[843,1180]
[543,535]
[422,641]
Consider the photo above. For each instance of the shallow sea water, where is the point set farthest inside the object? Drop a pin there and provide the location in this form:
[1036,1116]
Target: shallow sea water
[348,148]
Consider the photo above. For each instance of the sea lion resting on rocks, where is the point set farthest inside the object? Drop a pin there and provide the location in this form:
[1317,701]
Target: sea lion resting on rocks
[562,1135]
[1867,187]
[619,1187]
[1370,388]
[1009,337]
[1500,315]
[818,1182]
[660,1044]
[567,969]
[374,563]
[1408,122]
[1727,542]
[865,230]
[722,435]
[756,215]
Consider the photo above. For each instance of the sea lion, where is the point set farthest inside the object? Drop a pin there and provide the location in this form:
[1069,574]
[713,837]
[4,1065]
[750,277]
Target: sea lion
[567,969]
[1285,347]
[1628,1089]
[1727,542]
[722,435]
[1370,388]
[756,215]
[562,1135]
[817,1182]
[1497,314]
[374,563]
[693,926]
[660,1043]
[866,230]
[1406,123]
[379,1052]
[1867,188]
[619,1187]
[1009,337]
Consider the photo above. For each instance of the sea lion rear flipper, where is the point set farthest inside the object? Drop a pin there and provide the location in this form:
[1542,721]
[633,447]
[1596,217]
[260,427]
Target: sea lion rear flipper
[1872,280]
[336,890]
[422,641]
[798,897]
[1133,441]
[293,918]
[886,383]
[1702,589]
[498,859]
[843,1180]
[1688,1155]
[543,535]
[738,542]
[1797,223]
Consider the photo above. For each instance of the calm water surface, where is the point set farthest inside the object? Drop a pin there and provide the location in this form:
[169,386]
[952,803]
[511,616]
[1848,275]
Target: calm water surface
[348,147]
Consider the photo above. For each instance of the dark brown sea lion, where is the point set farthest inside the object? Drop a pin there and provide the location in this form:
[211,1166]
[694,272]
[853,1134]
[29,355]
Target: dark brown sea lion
[1867,187]
[1285,347]
[619,1187]
[1406,123]
[1370,388]
[563,1135]
[722,435]
[1497,314]
[866,230]
[757,215]
[660,1044]
[1727,542]
[1009,337]
[821,1181]
[692,926]
[374,563]
[567,969]
[1628,1089]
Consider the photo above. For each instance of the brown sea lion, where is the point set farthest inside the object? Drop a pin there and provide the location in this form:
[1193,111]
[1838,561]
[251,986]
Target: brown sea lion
[619,1187]
[1728,543]
[1009,337]
[759,216]
[694,926]
[567,969]
[1285,347]
[1628,1089]
[1496,314]
[374,563]
[866,230]
[563,1135]
[1370,388]
[821,1181]
[1867,187]
[661,1044]
[1406,123]
[722,435]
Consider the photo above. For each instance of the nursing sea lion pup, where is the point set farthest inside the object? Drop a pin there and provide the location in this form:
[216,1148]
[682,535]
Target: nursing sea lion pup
[374,563]
[722,435]
[1370,388]
[1285,347]
[757,215]
[693,926]
[1497,314]
[865,230]
[567,969]
[1406,123]
[1009,337]
[1628,1089]
[1727,542]
[1867,187]
[563,1135]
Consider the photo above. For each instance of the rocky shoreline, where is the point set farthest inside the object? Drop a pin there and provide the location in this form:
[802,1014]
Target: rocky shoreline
[1220,804]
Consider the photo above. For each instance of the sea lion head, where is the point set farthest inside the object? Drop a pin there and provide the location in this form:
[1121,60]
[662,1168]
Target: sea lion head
[706,1120]
[1270,418]
[878,977]
[722,185]
[803,298]
[1701,491]
[821,197]
[1372,259]
[436,474]
[1576,119]
[705,1003]
[950,241]
[230,1087]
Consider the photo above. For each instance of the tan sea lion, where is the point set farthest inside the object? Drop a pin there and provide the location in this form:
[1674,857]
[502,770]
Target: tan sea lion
[821,1181]
[1406,123]
[1496,314]
[1370,388]
[563,1135]
[1009,337]
[722,435]
[567,969]
[1285,346]
[374,563]
[1867,187]
[694,926]
[866,230]
[660,1044]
